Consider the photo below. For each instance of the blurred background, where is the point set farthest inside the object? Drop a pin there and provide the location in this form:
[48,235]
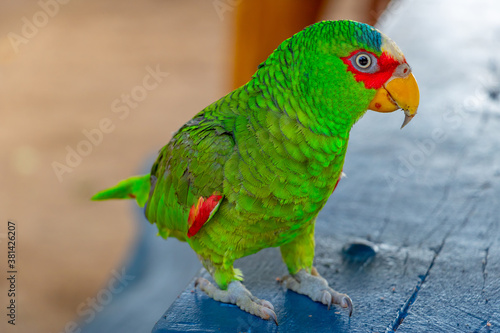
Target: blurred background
[89,91]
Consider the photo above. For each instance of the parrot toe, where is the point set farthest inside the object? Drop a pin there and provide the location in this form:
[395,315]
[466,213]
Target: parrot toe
[316,287]
[267,304]
[236,293]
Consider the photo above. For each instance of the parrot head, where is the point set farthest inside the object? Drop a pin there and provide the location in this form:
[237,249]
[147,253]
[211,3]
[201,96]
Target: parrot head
[384,68]
[357,68]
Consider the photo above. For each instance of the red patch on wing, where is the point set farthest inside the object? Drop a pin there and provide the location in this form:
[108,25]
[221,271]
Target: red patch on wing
[200,212]
[386,63]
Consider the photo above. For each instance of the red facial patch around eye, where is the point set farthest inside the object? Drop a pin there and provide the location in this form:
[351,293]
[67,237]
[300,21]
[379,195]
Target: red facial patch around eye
[386,66]
[200,213]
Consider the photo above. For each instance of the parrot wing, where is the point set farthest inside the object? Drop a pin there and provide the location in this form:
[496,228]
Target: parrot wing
[187,178]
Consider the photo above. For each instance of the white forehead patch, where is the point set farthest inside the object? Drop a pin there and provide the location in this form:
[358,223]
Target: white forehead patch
[391,48]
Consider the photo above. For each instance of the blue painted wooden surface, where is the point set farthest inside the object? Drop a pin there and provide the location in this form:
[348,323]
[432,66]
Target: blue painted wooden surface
[428,197]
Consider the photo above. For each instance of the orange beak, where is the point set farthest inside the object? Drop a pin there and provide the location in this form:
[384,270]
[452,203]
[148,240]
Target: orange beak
[398,93]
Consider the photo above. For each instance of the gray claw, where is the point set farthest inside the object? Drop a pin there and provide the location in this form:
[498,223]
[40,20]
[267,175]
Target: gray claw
[347,303]
[199,281]
[326,299]
[270,313]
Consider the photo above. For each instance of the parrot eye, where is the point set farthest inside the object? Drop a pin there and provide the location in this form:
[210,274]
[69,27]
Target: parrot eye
[365,62]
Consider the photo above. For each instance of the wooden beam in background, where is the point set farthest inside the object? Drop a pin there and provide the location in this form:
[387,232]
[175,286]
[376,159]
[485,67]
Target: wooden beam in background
[261,25]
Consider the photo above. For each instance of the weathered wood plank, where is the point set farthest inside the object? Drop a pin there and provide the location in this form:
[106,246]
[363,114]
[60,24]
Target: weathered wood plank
[387,279]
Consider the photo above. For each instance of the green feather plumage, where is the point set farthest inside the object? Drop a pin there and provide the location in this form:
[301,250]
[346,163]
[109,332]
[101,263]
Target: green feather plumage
[273,148]
[132,188]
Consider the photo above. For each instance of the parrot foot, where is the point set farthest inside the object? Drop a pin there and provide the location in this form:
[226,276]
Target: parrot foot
[236,293]
[316,287]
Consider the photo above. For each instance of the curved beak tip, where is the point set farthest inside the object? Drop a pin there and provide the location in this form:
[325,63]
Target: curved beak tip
[408,118]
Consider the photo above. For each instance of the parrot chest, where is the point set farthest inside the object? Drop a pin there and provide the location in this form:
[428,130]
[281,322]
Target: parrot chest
[271,203]
[285,180]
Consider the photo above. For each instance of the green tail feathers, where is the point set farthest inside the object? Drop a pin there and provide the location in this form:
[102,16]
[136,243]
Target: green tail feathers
[136,187]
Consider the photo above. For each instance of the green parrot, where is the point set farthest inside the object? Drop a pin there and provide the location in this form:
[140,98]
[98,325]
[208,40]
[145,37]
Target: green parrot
[253,169]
